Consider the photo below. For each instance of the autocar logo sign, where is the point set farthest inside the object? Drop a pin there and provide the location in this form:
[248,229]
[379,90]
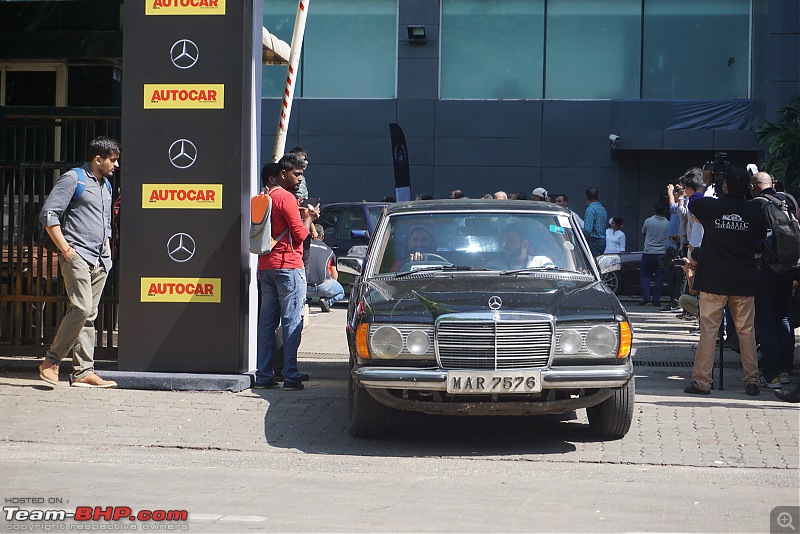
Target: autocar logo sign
[184,54]
[495,303]
[182,154]
[180,247]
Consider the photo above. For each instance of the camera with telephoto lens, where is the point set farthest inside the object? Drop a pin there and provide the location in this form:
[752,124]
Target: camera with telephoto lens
[716,169]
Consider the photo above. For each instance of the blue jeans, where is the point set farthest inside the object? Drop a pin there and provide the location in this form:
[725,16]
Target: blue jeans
[772,322]
[283,294]
[650,269]
[597,245]
[330,290]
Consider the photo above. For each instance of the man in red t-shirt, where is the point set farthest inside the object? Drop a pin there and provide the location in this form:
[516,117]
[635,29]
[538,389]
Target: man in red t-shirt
[281,275]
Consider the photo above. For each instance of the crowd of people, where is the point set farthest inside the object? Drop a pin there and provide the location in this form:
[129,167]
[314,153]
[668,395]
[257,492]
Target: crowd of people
[605,236]
[721,207]
[725,240]
[712,239]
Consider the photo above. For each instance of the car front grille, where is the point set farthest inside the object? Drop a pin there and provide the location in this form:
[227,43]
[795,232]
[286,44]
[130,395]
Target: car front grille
[493,344]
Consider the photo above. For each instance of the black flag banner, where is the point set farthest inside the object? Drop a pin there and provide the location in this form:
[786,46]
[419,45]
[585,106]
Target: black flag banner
[402,172]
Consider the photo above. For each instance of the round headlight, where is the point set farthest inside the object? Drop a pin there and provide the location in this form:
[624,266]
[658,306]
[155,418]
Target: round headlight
[569,341]
[601,341]
[418,342]
[386,342]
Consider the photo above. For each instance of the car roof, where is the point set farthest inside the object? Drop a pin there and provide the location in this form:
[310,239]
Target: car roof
[354,204]
[469,204]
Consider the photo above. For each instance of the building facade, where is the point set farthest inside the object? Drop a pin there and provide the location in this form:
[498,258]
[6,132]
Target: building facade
[491,94]
[516,94]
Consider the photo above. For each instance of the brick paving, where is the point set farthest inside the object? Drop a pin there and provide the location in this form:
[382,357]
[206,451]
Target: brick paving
[725,429]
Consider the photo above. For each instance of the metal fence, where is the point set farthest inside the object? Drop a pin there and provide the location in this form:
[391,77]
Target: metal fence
[36,146]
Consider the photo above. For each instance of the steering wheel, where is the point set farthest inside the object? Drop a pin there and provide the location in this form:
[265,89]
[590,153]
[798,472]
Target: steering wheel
[430,256]
[426,259]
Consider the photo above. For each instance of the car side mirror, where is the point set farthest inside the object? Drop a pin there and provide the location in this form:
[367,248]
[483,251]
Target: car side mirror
[350,265]
[359,234]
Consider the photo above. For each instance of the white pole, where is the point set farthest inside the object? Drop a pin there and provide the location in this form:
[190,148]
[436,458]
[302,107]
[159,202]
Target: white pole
[288,89]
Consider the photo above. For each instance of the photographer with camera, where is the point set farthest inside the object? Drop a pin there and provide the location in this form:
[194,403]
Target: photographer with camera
[679,206]
[675,246]
[727,276]
[688,301]
[714,174]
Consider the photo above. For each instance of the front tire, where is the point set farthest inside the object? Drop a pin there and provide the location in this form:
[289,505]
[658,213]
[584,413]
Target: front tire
[366,417]
[611,419]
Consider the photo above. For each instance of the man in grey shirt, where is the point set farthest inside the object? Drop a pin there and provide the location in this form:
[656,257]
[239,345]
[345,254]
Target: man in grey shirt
[77,215]
[651,268]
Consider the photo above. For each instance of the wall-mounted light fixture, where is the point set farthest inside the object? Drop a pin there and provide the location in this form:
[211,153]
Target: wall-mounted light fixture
[416,34]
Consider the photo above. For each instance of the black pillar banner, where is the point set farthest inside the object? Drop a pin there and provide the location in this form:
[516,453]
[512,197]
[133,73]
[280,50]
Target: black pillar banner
[188,120]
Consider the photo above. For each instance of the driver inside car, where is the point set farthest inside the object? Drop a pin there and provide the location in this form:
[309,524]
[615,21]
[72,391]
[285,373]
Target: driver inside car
[516,251]
[420,242]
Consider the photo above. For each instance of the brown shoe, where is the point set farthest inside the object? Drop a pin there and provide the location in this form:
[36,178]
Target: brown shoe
[93,381]
[48,372]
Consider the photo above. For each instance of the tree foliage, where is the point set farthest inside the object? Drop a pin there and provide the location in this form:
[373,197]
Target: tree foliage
[783,144]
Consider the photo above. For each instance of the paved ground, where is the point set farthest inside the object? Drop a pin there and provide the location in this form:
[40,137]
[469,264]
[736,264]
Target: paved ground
[727,437]
[670,427]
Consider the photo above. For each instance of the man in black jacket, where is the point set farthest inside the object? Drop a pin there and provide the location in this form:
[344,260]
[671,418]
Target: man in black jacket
[726,275]
[772,300]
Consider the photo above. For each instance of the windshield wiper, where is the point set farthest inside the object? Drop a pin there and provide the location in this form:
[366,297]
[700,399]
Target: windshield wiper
[448,268]
[540,269]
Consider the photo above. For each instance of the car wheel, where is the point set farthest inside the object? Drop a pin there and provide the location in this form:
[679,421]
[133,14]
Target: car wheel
[367,417]
[612,417]
[614,281]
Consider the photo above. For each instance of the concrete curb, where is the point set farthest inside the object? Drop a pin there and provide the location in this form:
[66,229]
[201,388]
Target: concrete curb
[179,381]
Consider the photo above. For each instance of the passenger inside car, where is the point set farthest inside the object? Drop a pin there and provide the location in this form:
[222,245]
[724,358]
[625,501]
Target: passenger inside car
[516,251]
[455,240]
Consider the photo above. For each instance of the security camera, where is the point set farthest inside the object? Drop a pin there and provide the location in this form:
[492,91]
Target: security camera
[614,138]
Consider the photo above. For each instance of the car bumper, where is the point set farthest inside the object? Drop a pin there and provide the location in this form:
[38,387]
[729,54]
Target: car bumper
[560,377]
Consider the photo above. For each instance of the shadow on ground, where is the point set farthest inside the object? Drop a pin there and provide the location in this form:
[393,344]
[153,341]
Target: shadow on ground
[315,421]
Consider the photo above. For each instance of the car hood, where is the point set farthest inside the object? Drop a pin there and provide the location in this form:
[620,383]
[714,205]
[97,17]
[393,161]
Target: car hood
[428,296]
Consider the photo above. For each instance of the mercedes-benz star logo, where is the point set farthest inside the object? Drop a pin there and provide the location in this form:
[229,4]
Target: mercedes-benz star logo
[182,153]
[184,54]
[495,302]
[181,247]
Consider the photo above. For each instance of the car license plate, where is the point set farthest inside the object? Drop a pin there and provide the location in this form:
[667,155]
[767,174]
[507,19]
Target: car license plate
[494,381]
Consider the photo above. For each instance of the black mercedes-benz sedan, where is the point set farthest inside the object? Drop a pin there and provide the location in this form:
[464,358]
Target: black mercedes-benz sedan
[484,307]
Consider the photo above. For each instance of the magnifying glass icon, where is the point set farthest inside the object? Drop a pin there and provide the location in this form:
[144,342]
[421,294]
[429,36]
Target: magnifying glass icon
[785,520]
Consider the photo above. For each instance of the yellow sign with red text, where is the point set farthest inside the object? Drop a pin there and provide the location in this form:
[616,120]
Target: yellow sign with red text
[184,96]
[181,289]
[184,7]
[182,196]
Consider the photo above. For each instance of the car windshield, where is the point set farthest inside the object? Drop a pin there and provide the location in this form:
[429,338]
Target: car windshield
[374,214]
[506,242]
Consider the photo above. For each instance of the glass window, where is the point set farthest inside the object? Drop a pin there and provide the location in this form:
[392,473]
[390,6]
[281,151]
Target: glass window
[696,49]
[30,88]
[349,48]
[485,241]
[352,219]
[593,49]
[94,86]
[279,20]
[374,213]
[328,219]
[492,49]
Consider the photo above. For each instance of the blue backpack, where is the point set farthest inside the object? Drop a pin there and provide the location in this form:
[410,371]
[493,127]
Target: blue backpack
[44,240]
